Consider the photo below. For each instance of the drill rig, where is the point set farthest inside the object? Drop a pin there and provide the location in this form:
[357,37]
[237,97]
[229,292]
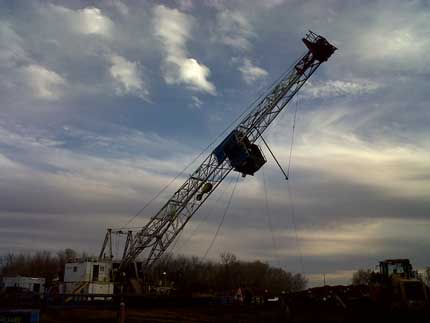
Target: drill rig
[237,152]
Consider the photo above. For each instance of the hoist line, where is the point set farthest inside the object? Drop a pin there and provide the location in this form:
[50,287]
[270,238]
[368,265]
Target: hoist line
[222,219]
[269,219]
[205,217]
[293,220]
[248,108]
[292,138]
[290,193]
[178,238]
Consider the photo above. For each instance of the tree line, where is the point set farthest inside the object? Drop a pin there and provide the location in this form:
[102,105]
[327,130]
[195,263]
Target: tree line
[39,264]
[188,274]
[228,273]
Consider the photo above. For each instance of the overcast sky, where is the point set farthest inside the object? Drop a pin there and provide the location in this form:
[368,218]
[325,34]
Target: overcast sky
[103,103]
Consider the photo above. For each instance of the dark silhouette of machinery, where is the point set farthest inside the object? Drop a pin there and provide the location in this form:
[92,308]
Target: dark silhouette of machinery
[397,286]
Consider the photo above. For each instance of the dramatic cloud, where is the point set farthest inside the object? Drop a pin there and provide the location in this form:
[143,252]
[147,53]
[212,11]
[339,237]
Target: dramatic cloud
[399,40]
[120,6]
[79,176]
[127,76]
[73,55]
[174,29]
[45,84]
[88,21]
[251,73]
[81,151]
[11,46]
[331,137]
[339,88]
[196,102]
[234,30]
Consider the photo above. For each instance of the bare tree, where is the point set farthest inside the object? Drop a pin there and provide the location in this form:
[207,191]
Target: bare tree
[187,274]
[38,264]
[361,276]
[192,274]
[228,258]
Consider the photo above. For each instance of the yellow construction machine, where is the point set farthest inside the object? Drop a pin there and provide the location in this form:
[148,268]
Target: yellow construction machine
[398,288]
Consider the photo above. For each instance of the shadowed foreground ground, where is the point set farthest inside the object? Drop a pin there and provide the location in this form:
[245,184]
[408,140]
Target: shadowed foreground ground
[218,313]
[196,314]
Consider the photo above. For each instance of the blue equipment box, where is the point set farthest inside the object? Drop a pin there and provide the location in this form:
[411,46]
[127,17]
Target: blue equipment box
[19,316]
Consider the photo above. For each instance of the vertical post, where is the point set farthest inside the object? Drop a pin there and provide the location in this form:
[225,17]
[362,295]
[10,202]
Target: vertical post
[121,313]
[105,242]
[136,271]
[110,244]
[128,242]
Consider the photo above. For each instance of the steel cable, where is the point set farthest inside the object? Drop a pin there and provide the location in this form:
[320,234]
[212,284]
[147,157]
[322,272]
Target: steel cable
[222,219]
[269,219]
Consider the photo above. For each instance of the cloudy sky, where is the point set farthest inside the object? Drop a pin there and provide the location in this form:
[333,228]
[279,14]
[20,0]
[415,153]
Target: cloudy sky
[103,103]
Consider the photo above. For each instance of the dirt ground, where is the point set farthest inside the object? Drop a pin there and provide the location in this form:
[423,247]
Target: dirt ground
[194,314]
[215,313]
[206,313]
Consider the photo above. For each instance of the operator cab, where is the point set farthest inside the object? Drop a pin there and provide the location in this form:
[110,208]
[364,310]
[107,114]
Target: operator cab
[397,267]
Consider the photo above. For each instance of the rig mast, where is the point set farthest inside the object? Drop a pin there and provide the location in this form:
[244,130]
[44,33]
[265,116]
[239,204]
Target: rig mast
[237,152]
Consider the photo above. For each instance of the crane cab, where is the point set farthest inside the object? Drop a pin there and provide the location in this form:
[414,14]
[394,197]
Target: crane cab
[244,156]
